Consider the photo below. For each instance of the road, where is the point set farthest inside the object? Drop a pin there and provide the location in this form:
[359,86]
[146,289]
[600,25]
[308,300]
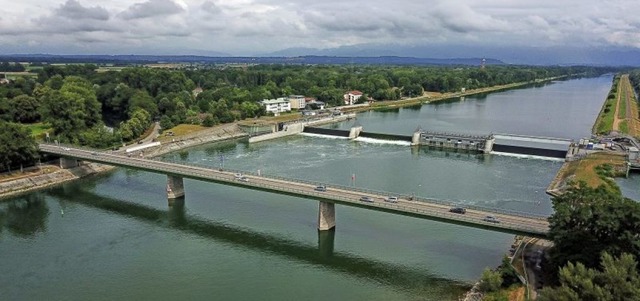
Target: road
[510,221]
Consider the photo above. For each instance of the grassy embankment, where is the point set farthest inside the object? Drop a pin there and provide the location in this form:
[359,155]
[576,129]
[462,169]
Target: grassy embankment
[604,121]
[181,130]
[596,169]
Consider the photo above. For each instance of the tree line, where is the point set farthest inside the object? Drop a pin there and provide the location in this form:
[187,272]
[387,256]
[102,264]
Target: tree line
[103,109]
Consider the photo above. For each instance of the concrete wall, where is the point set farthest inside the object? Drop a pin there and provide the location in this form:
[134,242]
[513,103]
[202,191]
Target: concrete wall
[289,129]
[354,132]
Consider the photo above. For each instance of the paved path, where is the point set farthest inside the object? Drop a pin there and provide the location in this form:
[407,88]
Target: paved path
[510,221]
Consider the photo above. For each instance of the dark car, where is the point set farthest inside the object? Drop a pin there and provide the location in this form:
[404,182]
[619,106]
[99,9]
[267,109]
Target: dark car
[458,210]
[367,199]
[491,219]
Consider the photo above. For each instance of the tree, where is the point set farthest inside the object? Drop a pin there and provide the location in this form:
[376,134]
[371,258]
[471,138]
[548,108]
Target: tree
[24,109]
[72,109]
[17,146]
[141,100]
[588,221]
[617,279]
[490,281]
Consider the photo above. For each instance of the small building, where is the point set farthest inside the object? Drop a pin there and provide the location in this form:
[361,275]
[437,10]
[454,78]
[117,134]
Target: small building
[352,97]
[297,101]
[4,81]
[277,106]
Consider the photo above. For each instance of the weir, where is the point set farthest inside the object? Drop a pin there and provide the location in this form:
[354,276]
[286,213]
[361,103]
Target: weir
[532,145]
[498,143]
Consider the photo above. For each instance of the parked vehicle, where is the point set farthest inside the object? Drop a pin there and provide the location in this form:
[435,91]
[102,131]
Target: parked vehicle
[458,210]
[321,188]
[491,219]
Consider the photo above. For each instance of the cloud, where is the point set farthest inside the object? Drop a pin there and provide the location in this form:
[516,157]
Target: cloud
[246,27]
[210,8]
[72,9]
[152,8]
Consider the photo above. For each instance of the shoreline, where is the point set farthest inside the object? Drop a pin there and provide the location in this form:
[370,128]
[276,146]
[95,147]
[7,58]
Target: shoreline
[30,183]
[385,104]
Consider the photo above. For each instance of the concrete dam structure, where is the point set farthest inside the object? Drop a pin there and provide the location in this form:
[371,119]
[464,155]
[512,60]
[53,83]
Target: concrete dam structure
[493,143]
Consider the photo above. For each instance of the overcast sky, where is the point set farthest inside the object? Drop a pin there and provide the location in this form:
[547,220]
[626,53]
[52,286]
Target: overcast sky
[246,27]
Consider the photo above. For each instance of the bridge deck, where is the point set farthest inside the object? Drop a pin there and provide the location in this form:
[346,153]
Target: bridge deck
[511,222]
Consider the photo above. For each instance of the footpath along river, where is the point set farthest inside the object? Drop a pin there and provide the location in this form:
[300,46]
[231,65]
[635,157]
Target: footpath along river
[113,236]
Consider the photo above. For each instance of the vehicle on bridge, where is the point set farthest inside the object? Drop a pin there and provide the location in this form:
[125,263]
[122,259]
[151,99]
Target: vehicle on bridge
[367,199]
[238,175]
[458,210]
[321,188]
[391,199]
[243,179]
[491,219]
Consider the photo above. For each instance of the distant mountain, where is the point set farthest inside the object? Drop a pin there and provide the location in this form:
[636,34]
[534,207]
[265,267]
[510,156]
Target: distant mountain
[310,59]
[610,56]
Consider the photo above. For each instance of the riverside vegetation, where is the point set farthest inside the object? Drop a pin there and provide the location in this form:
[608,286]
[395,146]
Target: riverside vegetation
[102,109]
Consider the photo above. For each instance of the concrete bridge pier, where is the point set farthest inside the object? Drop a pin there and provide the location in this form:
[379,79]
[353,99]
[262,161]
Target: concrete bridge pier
[415,139]
[175,187]
[488,145]
[354,132]
[66,163]
[325,242]
[326,216]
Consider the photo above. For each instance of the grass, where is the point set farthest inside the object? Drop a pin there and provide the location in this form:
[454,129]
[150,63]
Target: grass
[622,102]
[181,130]
[623,127]
[604,122]
[39,129]
[597,169]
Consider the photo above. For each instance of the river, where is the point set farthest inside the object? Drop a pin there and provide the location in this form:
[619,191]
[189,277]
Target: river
[113,236]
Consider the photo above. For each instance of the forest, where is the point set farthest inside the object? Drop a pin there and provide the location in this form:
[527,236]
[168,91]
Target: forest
[86,106]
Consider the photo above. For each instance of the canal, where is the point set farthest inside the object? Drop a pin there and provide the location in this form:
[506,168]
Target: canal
[113,236]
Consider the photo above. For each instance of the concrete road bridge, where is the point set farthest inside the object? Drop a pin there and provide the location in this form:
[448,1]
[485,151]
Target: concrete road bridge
[427,208]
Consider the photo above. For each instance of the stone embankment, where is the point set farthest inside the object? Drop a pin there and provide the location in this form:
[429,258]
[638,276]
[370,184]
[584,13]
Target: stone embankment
[45,179]
[25,184]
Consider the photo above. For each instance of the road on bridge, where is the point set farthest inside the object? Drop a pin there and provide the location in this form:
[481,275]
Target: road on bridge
[509,221]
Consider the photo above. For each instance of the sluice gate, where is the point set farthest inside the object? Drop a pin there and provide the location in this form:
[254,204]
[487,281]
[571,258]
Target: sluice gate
[499,143]
[325,131]
[531,145]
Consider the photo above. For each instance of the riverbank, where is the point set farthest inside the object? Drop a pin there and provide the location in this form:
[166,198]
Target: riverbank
[430,97]
[50,174]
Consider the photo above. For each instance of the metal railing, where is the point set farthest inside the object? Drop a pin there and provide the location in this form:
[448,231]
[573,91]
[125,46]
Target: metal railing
[291,186]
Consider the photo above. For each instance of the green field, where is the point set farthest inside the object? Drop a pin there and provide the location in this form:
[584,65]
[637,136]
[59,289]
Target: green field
[38,129]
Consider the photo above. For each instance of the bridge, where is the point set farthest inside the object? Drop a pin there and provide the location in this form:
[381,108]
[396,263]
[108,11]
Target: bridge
[433,209]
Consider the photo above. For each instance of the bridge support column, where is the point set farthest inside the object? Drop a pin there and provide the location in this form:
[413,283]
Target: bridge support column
[325,242]
[415,139]
[326,216]
[175,187]
[355,132]
[488,144]
[68,163]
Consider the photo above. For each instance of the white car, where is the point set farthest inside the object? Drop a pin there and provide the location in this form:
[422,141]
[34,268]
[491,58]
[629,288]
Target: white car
[238,175]
[391,199]
[66,148]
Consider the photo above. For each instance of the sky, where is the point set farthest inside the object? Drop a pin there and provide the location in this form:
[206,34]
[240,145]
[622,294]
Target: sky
[257,27]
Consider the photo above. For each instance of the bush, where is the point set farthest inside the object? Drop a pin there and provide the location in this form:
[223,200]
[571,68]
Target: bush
[490,281]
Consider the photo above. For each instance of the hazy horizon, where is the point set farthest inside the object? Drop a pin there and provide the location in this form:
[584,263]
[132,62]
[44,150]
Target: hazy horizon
[505,30]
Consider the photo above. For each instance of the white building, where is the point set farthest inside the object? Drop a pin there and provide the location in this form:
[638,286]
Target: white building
[297,101]
[352,97]
[277,106]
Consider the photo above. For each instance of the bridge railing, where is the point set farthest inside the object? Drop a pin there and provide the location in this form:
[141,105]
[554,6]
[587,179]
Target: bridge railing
[170,167]
[450,203]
